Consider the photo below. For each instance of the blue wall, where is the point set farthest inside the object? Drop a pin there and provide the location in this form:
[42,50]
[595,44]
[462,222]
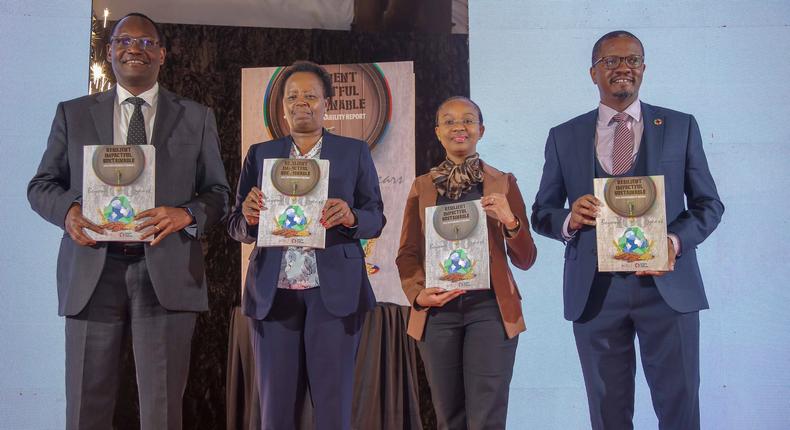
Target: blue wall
[43,60]
[726,62]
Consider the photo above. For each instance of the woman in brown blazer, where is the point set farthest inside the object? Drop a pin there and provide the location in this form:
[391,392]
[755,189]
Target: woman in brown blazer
[467,340]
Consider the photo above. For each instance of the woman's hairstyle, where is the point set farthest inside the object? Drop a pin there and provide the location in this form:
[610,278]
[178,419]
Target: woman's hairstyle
[466,99]
[310,67]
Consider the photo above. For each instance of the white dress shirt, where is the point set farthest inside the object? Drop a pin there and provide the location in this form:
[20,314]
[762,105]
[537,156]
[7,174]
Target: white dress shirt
[122,113]
[604,132]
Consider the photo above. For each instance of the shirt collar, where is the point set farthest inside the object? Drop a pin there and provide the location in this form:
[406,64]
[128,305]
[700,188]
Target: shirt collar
[312,153]
[605,113]
[150,96]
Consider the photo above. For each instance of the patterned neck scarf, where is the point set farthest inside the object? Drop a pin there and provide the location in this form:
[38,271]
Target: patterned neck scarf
[451,180]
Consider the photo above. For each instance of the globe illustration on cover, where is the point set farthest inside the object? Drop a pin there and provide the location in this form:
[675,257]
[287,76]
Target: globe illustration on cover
[632,245]
[292,222]
[119,210]
[458,266]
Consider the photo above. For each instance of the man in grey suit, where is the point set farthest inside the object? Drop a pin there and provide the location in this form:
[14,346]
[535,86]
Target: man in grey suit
[153,291]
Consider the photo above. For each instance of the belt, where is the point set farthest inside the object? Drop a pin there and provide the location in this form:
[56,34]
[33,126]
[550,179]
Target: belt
[126,249]
[614,274]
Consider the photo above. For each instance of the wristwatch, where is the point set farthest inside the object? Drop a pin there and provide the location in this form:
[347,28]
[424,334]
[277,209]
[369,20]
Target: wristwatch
[511,231]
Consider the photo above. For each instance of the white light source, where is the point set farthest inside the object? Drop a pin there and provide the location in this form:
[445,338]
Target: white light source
[98,78]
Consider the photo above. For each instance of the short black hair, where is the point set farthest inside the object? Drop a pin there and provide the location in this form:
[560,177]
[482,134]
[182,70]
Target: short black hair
[466,99]
[612,35]
[310,67]
[145,17]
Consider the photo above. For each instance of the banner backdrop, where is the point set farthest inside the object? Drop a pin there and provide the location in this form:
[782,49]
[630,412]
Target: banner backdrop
[372,102]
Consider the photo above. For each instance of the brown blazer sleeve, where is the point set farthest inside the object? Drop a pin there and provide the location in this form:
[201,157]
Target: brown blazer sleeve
[520,247]
[410,254]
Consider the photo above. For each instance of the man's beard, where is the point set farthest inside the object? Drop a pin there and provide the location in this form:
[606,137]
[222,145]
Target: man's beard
[622,95]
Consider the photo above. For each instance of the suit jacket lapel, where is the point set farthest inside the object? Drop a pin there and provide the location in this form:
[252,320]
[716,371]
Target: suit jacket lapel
[102,113]
[331,148]
[428,196]
[167,113]
[284,147]
[584,146]
[652,138]
[492,183]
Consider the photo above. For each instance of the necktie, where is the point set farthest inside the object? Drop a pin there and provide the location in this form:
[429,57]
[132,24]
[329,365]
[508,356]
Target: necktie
[623,149]
[136,133]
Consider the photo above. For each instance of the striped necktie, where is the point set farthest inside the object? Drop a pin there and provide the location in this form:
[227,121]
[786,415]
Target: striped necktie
[623,148]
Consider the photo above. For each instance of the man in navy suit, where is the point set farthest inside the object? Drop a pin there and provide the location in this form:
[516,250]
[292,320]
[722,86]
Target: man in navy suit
[609,309]
[308,305]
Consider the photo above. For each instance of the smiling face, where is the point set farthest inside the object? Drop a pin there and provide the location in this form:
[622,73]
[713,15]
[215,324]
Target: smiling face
[304,103]
[618,87]
[135,67]
[458,139]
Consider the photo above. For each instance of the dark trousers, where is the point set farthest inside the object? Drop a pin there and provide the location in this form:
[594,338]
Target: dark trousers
[620,307]
[469,362]
[301,346]
[124,303]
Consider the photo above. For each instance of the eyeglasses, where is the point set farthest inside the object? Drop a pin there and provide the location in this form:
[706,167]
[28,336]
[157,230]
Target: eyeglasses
[449,123]
[144,43]
[613,62]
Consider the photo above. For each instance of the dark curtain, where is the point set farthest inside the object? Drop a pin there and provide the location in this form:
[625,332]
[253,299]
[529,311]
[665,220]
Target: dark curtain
[386,392]
[204,63]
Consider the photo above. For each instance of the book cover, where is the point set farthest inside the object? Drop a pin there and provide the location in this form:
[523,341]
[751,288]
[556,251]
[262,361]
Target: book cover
[456,246]
[118,182]
[631,229]
[294,193]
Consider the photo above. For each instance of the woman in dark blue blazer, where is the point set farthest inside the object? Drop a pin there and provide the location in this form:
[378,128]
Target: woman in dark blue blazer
[308,305]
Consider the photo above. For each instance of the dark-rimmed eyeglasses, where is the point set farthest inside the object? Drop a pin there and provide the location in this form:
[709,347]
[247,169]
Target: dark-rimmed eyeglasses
[449,123]
[145,43]
[613,61]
